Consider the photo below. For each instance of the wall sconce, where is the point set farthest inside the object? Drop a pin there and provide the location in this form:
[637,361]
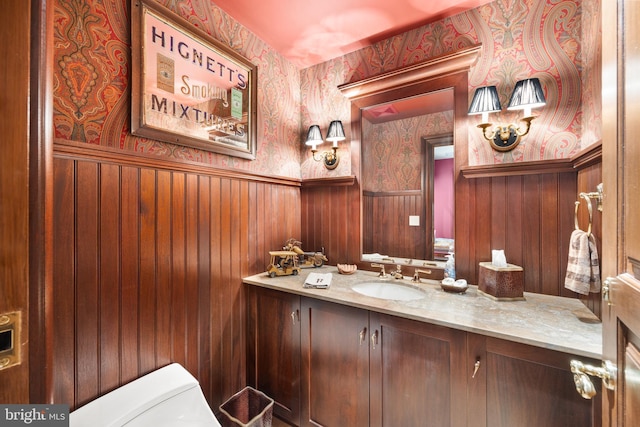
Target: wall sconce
[526,95]
[335,134]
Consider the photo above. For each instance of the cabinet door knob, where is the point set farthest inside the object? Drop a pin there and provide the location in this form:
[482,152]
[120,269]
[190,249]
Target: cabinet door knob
[294,316]
[374,339]
[363,335]
[475,368]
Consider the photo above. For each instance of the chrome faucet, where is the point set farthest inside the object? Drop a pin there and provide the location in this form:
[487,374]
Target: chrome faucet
[417,272]
[381,266]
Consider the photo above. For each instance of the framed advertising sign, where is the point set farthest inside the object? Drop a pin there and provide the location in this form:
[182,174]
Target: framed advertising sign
[188,88]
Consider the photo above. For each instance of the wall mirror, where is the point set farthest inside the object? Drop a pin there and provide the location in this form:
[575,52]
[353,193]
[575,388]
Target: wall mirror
[407,178]
[401,121]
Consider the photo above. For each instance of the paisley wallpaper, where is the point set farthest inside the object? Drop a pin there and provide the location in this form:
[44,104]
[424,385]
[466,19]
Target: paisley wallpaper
[91,84]
[391,159]
[554,40]
[520,39]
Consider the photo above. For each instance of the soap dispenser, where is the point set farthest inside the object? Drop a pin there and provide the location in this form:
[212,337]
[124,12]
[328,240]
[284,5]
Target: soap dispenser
[450,267]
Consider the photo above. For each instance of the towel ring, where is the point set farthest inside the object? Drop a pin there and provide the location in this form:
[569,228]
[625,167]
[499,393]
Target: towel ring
[588,199]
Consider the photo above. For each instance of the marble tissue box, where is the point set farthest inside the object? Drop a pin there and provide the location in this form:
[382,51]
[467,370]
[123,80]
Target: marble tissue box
[501,283]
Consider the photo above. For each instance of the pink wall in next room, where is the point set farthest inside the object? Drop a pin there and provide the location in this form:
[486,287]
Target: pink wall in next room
[443,198]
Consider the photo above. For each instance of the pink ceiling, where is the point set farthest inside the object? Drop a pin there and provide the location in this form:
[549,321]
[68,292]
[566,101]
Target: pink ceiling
[308,32]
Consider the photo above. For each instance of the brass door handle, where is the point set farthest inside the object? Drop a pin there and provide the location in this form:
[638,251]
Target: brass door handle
[581,373]
[475,368]
[606,290]
[362,335]
[374,339]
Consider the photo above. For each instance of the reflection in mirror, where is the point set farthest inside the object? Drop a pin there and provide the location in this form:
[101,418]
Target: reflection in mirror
[407,183]
[441,193]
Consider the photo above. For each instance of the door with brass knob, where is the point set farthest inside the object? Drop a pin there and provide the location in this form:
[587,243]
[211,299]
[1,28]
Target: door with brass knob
[621,210]
[582,374]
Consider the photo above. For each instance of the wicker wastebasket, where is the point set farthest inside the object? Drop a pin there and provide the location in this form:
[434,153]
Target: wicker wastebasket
[248,408]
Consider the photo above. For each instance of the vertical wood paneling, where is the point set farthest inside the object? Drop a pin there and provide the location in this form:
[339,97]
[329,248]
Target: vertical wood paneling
[148,271]
[389,233]
[501,224]
[64,279]
[530,216]
[205,268]
[465,209]
[531,232]
[224,297]
[86,285]
[515,204]
[191,285]
[178,269]
[164,305]
[483,225]
[129,249]
[244,249]
[549,241]
[588,179]
[109,298]
[258,236]
[566,203]
[147,280]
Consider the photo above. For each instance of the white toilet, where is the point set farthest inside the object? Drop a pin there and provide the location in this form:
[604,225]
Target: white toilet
[170,396]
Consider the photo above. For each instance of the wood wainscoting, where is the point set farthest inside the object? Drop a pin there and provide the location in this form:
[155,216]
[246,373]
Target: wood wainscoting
[331,218]
[589,167]
[527,209]
[149,257]
[392,233]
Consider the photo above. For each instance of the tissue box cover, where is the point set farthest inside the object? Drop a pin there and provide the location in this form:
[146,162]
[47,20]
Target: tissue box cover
[502,283]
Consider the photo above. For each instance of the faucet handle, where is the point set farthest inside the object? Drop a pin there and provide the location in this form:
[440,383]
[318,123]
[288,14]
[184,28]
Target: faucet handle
[416,274]
[381,267]
[398,273]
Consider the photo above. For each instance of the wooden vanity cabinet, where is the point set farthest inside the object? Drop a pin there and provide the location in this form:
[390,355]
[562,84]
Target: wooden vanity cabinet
[273,349]
[328,364]
[335,364]
[522,385]
[363,368]
[417,373]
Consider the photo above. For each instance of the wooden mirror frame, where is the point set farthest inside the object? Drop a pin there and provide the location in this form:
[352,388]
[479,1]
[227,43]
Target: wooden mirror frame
[442,72]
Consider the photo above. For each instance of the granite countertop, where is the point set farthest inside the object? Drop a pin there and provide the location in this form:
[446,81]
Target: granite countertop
[557,323]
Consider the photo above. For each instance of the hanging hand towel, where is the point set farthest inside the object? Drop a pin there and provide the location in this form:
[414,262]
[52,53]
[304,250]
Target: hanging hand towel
[583,270]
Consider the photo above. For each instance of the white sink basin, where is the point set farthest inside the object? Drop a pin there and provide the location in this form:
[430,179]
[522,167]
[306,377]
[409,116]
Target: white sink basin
[389,290]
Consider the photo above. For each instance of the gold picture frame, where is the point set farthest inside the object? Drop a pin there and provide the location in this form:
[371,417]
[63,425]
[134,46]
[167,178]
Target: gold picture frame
[188,88]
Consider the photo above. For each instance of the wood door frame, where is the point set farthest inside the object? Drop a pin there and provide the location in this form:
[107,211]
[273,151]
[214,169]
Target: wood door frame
[41,204]
[27,159]
[429,143]
[619,271]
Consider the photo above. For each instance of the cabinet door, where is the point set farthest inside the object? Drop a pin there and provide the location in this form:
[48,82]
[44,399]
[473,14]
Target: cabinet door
[335,365]
[522,385]
[273,354]
[417,374]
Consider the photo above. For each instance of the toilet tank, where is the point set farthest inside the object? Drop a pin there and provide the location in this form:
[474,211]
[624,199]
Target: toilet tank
[169,396]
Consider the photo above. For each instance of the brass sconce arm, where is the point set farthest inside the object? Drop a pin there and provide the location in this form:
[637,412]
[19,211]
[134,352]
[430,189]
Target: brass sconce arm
[330,158]
[505,138]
